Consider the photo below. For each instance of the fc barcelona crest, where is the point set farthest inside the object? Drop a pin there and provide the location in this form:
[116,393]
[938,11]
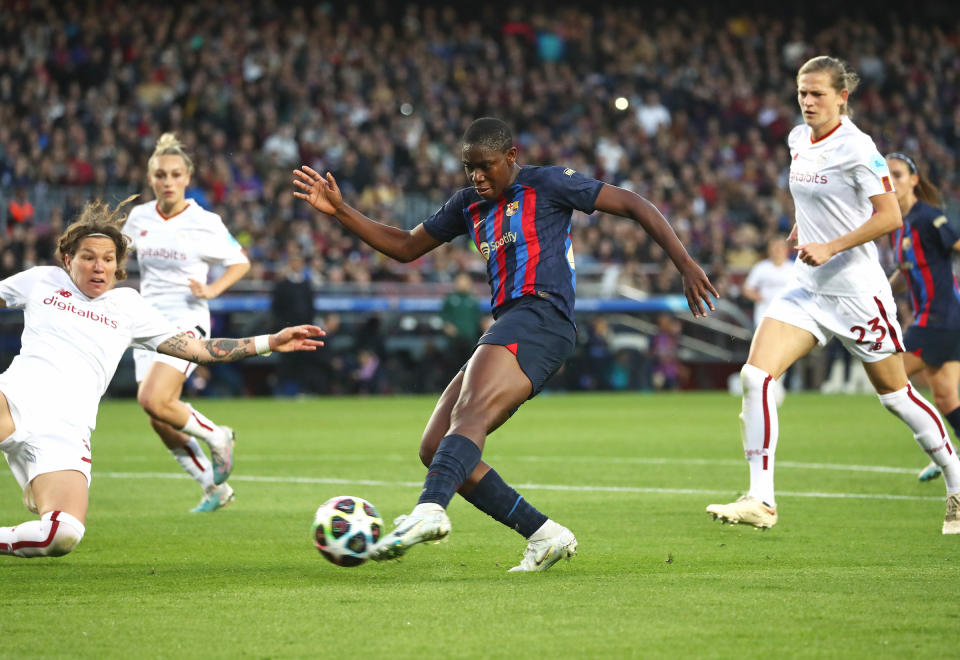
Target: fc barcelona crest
[512,208]
[905,243]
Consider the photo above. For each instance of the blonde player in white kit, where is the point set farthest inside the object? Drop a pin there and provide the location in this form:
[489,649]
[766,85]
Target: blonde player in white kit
[844,200]
[176,242]
[76,328]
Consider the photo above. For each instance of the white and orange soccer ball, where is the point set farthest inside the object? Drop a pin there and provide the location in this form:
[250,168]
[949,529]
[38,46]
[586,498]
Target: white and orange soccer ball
[345,528]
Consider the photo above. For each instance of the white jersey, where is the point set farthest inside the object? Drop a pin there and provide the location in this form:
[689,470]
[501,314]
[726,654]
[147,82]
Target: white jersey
[832,180]
[71,344]
[172,251]
[768,279]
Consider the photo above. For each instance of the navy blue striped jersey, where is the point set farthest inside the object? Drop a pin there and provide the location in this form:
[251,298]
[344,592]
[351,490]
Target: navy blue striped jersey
[524,236]
[923,248]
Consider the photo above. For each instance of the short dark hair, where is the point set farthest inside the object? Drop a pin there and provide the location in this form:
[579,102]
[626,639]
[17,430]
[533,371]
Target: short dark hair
[489,132]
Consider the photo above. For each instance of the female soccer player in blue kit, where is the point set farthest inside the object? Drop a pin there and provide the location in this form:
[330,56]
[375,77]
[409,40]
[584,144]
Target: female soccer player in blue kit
[520,220]
[924,248]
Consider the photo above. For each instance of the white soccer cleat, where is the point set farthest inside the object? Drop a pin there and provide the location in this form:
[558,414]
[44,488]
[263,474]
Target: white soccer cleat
[746,509]
[932,471]
[541,555]
[951,521]
[430,523]
[221,456]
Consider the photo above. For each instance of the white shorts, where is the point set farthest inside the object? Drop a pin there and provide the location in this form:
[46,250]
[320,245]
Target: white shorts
[143,359]
[866,325]
[41,444]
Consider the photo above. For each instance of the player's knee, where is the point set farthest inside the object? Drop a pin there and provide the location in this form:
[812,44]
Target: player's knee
[428,447]
[752,378]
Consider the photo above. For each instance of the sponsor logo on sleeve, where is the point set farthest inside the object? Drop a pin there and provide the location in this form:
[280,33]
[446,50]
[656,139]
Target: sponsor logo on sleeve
[940,221]
[569,171]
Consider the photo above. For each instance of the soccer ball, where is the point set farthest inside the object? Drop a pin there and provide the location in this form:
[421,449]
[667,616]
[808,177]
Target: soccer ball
[345,528]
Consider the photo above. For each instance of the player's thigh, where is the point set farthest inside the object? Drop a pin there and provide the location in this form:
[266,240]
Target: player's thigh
[439,422]
[912,364]
[7,427]
[63,490]
[777,345]
[944,381]
[887,375]
[163,383]
[493,386]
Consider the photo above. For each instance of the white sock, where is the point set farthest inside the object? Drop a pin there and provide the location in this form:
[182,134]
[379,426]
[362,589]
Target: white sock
[199,426]
[928,431]
[547,530]
[760,429]
[192,459]
[426,507]
[54,535]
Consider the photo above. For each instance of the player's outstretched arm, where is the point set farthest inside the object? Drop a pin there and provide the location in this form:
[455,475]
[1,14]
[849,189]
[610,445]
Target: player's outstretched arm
[696,285]
[323,194]
[204,351]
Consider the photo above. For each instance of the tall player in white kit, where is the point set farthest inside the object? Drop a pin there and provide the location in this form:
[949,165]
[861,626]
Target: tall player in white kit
[844,200]
[76,328]
[176,242]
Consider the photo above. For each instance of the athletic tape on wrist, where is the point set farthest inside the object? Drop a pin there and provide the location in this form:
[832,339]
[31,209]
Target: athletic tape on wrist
[262,344]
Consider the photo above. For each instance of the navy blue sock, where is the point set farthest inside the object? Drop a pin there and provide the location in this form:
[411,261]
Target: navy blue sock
[505,505]
[953,417]
[455,459]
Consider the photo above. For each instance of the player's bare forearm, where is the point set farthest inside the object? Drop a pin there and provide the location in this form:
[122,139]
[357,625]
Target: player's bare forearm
[388,240]
[231,275]
[207,351]
[885,219]
[627,204]
[696,285]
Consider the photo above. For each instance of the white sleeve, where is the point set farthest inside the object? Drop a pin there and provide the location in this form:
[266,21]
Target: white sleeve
[223,247]
[149,327]
[15,290]
[870,171]
[753,276]
[129,230]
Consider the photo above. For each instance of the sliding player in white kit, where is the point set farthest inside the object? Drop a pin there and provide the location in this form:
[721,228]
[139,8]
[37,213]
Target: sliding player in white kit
[844,200]
[76,328]
[176,241]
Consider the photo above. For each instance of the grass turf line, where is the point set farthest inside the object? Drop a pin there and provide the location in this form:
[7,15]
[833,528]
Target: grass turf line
[655,576]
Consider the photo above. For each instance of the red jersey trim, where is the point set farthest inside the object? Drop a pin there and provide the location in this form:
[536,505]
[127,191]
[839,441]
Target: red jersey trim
[831,132]
[172,216]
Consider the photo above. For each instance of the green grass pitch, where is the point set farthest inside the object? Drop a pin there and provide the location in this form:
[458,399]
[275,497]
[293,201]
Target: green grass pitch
[857,566]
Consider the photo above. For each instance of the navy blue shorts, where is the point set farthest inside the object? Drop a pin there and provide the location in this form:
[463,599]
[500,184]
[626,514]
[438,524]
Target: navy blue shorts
[539,334]
[933,345]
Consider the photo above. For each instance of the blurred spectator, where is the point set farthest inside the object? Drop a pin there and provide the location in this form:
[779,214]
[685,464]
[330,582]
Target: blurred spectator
[668,373]
[20,208]
[292,304]
[768,277]
[461,317]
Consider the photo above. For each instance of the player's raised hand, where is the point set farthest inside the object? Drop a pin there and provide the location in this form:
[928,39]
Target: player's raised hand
[698,289]
[322,193]
[297,338]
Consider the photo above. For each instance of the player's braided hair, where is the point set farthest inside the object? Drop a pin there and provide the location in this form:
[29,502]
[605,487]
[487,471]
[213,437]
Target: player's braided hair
[169,145]
[489,132]
[97,218]
[841,76]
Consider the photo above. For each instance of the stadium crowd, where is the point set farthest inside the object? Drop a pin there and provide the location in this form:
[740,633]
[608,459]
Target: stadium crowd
[380,93]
